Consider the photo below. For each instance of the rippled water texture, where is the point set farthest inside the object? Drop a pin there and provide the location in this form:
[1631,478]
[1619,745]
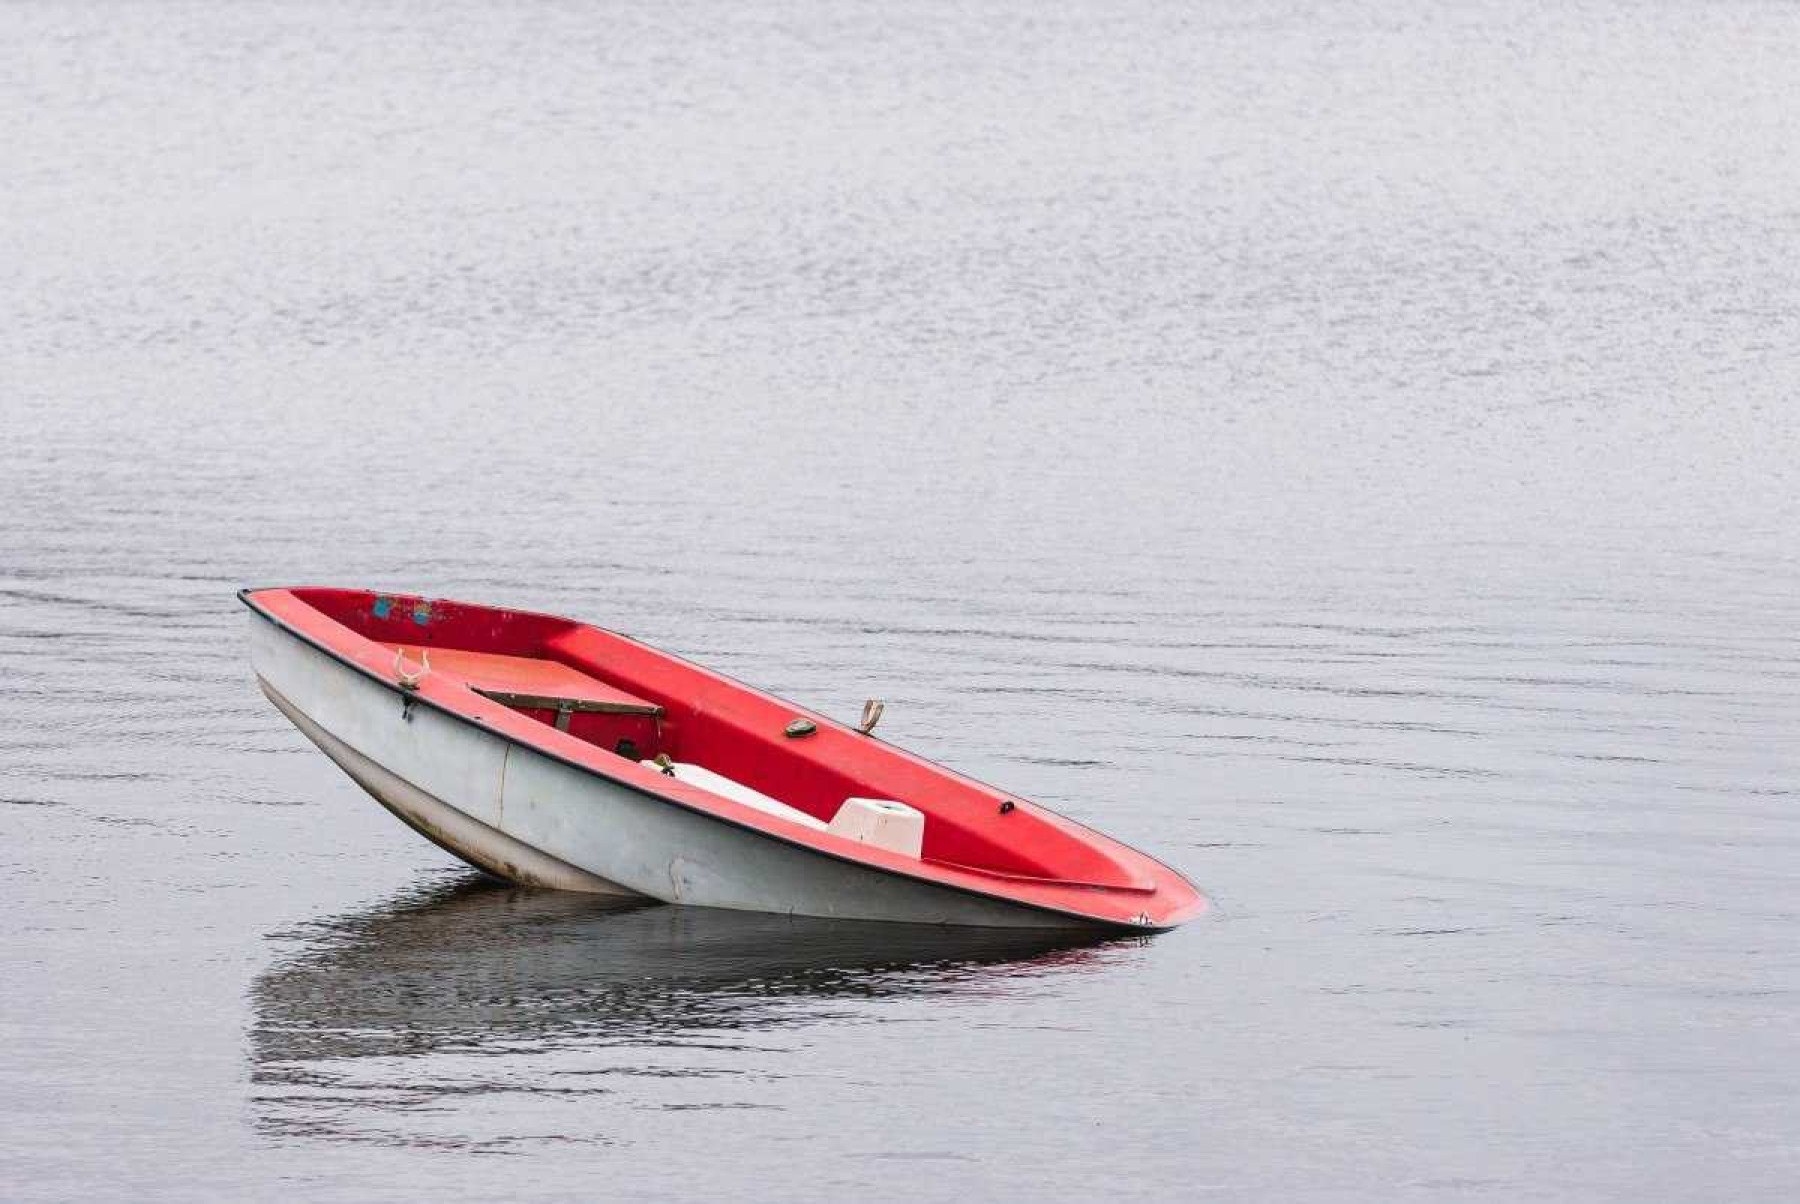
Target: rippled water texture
[1348,451]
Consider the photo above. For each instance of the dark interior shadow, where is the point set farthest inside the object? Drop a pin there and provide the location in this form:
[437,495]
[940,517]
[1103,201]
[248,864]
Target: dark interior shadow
[467,967]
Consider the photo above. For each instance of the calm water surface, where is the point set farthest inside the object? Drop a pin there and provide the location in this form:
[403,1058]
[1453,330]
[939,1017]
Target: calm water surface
[1350,451]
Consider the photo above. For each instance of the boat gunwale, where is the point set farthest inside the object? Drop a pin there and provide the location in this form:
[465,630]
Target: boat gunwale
[1179,915]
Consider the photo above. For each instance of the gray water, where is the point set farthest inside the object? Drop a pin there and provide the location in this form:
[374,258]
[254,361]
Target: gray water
[1347,451]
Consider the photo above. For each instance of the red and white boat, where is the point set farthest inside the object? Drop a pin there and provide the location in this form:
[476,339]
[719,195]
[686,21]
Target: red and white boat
[551,753]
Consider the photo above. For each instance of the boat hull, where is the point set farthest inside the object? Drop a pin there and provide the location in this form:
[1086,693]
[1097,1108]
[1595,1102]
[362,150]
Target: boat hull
[518,814]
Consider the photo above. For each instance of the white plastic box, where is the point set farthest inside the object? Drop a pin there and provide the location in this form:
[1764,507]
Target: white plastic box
[881,822]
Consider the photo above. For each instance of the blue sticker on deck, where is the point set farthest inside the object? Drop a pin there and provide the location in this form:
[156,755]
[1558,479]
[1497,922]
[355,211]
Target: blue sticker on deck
[382,607]
[422,613]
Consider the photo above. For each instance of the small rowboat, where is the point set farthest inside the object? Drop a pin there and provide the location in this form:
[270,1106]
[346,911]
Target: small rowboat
[550,753]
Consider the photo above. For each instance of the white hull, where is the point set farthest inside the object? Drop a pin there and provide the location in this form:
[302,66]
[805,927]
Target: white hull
[529,818]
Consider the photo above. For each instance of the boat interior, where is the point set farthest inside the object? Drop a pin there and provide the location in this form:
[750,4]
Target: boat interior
[658,712]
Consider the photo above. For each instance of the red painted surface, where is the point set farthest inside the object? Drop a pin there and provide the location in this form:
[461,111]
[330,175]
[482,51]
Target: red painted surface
[1027,854]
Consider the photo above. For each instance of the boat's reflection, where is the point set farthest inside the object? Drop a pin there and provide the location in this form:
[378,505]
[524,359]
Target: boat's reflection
[383,1009]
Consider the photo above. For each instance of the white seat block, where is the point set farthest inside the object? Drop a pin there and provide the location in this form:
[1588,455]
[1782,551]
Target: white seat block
[737,792]
[881,822]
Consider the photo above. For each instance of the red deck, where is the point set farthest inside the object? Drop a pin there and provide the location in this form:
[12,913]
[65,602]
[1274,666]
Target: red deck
[604,702]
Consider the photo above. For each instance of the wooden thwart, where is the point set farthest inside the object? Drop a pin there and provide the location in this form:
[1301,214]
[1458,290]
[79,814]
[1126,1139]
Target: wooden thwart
[532,683]
[565,708]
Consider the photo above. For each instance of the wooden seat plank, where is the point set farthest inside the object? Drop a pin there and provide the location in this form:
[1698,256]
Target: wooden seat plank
[529,681]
